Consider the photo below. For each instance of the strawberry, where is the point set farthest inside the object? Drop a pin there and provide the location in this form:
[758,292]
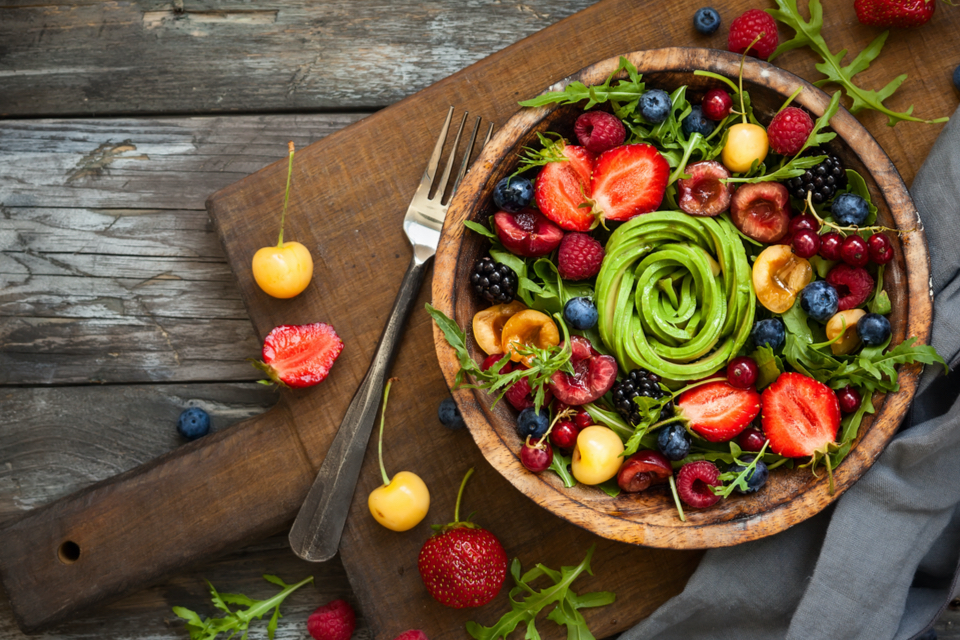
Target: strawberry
[462,565]
[894,13]
[563,188]
[300,355]
[333,621]
[629,180]
[718,411]
[800,416]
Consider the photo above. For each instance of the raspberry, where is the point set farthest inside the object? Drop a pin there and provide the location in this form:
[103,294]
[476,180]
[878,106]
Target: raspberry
[789,130]
[853,285]
[579,256]
[747,27]
[333,621]
[599,131]
[412,634]
[694,481]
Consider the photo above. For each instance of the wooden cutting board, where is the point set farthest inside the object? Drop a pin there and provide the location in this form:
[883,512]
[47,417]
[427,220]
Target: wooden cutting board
[350,191]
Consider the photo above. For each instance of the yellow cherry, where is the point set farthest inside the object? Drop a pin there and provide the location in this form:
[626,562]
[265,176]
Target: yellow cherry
[596,458]
[283,270]
[746,143]
[402,503]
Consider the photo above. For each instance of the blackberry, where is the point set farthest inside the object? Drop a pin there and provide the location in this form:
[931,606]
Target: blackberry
[494,281]
[823,180]
[638,382]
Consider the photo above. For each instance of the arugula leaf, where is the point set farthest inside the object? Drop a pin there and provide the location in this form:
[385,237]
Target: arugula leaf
[769,364]
[567,603]
[627,90]
[738,480]
[849,428]
[808,34]
[237,621]
[560,465]
[476,227]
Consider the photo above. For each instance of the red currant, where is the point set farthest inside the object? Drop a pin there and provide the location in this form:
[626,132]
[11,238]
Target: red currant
[853,251]
[830,245]
[564,434]
[849,399]
[805,243]
[880,248]
[742,372]
[536,458]
[751,439]
[717,104]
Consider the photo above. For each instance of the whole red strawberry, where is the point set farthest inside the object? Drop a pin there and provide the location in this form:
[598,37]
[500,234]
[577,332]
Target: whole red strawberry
[789,130]
[300,355]
[333,621]
[579,256]
[895,13]
[462,565]
[745,29]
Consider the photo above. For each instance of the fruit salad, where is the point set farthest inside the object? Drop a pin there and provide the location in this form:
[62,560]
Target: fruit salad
[679,294]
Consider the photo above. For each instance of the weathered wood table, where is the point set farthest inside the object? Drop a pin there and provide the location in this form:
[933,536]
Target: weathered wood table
[117,307]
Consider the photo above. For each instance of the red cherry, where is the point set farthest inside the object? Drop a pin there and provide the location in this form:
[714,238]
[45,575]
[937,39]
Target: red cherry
[716,104]
[643,469]
[742,372]
[803,221]
[849,399]
[582,419]
[830,246]
[854,251]
[805,243]
[880,248]
[536,458]
[751,439]
[564,434]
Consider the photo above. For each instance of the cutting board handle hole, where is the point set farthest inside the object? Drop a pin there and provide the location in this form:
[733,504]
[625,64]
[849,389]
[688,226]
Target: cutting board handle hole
[69,552]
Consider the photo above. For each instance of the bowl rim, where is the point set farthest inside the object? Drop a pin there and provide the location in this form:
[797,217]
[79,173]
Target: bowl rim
[687,535]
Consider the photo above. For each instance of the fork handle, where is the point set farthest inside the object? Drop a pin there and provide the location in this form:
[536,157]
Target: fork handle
[315,535]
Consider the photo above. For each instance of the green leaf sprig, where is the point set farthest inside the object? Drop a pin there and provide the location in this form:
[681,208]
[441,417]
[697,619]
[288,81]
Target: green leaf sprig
[568,603]
[238,621]
[626,92]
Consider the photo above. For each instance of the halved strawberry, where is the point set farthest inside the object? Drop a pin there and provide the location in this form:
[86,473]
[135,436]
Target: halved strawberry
[800,416]
[629,180]
[718,411]
[300,355]
[563,189]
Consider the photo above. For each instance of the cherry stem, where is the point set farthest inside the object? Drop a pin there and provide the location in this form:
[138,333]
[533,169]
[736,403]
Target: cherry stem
[456,508]
[826,460]
[286,194]
[844,231]
[566,413]
[383,419]
[743,108]
[676,498]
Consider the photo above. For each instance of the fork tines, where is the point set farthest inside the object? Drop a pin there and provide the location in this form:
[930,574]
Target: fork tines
[427,181]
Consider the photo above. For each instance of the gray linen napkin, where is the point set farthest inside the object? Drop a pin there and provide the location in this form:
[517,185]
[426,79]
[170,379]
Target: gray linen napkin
[883,561]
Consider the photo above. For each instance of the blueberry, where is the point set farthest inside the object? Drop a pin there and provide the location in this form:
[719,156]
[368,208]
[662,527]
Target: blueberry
[929,634]
[513,194]
[696,122]
[956,77]
[756,479]
[706,20]
[655,105]
[873,329]
[819,299]
[449,414]
[193,423]
[532,423]
[769,333]
[580,313]
[674,442]
[849,209]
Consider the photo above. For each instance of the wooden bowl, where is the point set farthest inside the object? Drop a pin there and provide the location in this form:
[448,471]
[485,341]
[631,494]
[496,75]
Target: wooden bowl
[650,518]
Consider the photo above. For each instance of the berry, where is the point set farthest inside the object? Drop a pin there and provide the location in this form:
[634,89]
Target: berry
[706,20]
[805,243]
[593,375]
[849,399]
[599,131]
[769,333]
[655,105]
[854,251]
[756,479]
[629,180]
[562,187]
[694,482]
[759,211]
[747,27]
[412,634]
[956,77]
[717,411]
[803,221]
[703,193]
[536,458]
[849,209]
[696,122]
[638,382]
[902,14]
[564,434]
[751,439]
[581,313]
[819,300]
[579,256]
[674,442]
[742,372]
[716,104]
[493,281]
[823,180]
[533,423]
[193,423]
[582,419]
[333,621]
[643,469]
[513,193]
[879,248]
[449,414]
[789,130]
[528,233]
[800,415]
[830,246]
[300,355]
[873,329]
[853,284]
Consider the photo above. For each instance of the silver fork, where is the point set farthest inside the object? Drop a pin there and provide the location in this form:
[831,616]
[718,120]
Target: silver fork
[316,532]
